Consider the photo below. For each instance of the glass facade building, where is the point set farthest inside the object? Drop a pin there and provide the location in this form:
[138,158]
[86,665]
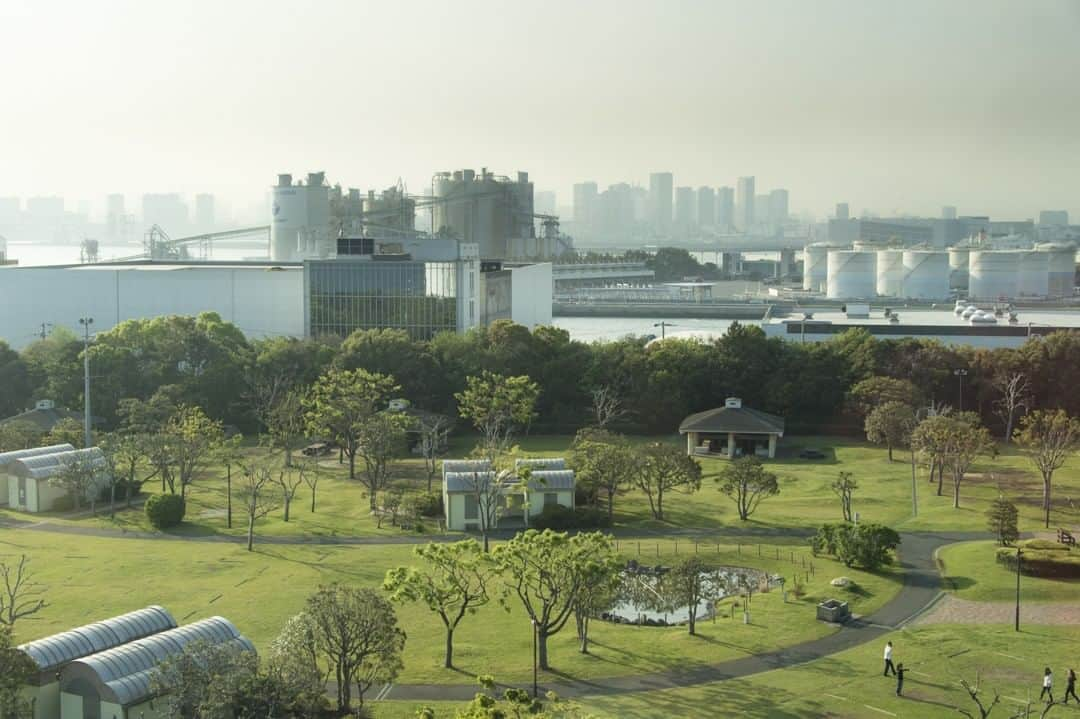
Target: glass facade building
[423,298]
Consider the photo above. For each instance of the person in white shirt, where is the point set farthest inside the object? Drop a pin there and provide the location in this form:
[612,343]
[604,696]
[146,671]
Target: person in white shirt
[1047,688]
[888,660]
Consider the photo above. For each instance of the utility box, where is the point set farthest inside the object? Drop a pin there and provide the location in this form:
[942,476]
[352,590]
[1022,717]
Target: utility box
[833,611]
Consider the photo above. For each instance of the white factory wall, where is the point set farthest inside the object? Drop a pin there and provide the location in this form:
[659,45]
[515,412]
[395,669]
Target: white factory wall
[531,290]
[260,301]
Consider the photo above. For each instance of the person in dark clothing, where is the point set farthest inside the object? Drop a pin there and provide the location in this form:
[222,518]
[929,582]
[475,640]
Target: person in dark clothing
[900,679]
[888,660]
[1048,686]
[1070,687]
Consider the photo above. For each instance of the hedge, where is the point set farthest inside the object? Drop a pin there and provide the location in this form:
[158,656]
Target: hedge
[1042,558]
[165,510]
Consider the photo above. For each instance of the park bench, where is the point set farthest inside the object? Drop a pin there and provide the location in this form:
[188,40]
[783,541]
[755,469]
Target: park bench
[1066,537]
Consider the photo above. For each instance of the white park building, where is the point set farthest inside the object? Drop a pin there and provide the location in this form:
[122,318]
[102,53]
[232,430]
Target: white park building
[466,486]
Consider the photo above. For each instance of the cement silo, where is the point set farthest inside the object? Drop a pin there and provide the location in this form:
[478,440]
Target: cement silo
[299,218]
[992,274]
[1033,275]
[958,267]
[851,275]
[926,275]
[815,266]
[488,210]
[890,273]
[1061,268]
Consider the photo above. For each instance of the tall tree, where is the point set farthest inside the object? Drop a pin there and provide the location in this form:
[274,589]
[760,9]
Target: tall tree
[67,431]
[80,477]
[930,439]
[691,583]
[497,406]
[747,483]
[186,446]
[965,441]
[607,406]
[1015,391]
[876,391]
[604,463]
[380,439]
[16,671]
[843,487]
[289,481]
[547,571]
[1048,437]
[257,495]
[16,381]
[433,429]
[1002,520]
[341,401]
[453,581]
[664,468]
[890,423]
[355,632]
[20,596]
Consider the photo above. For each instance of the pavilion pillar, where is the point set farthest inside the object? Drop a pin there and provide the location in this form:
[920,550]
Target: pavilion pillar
[691,442]
[731,445]
[772,446]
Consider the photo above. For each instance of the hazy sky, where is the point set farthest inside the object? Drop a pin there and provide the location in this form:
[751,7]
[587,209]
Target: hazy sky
[889,105]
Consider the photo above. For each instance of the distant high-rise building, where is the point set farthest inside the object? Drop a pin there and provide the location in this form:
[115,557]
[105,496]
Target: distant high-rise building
[744,204]
[761,210]
[725,209]
[706,207]
[842,212]
[585,194]
[204,213]
[10,209]
[1054,218]
[615,211]
[778,208]
[660,196]
[167,211]
[114,217]
[948,212]
[544,202]
[685,208]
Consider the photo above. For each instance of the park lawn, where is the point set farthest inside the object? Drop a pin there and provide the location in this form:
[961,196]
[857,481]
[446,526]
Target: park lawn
[850,685]
[972,573]
[90,578]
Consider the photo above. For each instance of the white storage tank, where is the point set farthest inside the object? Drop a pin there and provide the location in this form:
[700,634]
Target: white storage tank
[992,274]
[890,273]
[1061,268]
[958,267]
[300,219]
[851,275]
[1033,277]
[815,266]
[926,274]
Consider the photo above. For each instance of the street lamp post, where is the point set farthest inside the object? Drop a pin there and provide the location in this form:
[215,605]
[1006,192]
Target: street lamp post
[1018,553]
[663,327]
[536,662]
[961,374]
[86,322]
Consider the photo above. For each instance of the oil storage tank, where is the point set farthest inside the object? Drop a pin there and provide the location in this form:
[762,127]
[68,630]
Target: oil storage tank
[958,267]
[926,274]
[815,266]
[1033,278]
[890,273]
[1061,268]
[851,275]
[992,274]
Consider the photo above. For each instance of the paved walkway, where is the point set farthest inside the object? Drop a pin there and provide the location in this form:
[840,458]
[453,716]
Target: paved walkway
[952,610]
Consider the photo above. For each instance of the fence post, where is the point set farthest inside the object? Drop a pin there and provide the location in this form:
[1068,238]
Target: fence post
[759,550]
[639,549]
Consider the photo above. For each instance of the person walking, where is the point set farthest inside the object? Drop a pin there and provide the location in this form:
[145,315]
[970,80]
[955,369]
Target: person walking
[1070,686]
[888,660]
[1048,686]
[899,671]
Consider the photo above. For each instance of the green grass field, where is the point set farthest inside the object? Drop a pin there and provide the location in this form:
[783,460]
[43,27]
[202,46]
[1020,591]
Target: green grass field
[971,573]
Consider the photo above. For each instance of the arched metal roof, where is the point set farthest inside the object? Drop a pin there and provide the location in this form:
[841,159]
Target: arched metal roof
[551,480]
[9,457]
[542,463]
[466,481]
[465,465]
[122,675]
[51,653]
[43,466]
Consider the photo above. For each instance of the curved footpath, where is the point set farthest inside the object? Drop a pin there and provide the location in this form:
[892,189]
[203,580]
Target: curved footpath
[921,590]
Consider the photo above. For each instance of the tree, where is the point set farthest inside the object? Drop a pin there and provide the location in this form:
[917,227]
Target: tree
[293,664]
[67,431]
[973,692]
[341,401]
[80,477]
[284,421]
[16,381]
[21,596]
[453,581]
[607,406]
[490,487]
[876,391]
[355,632]
[205,680]
[256,496]
[125,454]
[1002,519]
[19,435]
[497,405]
[867,545]
[604,463]
[433,430]
[16,671]
[380,439]
[690,583]
[186,446]
[513,703]
[930,439]
[547,571]
[289,481]
[965,441]
[1015,395]
[663,468]
[746,481]
[1048,437]
[890,424]
[310,474]
[844,486]
[596,596]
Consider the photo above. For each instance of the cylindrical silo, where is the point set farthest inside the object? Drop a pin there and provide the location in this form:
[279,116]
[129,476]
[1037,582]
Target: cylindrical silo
[890,273]
[992,274]
[851,275]
[1033,276]
[1061,268]
[926,274]
[958,267]
[288,218]
[815,266]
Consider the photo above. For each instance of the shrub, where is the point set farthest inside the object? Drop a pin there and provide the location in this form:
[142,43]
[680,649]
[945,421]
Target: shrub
[427,504]
[63,504]
[867,545]
[559,518]
[165,510]
[824,541]
[1042,558]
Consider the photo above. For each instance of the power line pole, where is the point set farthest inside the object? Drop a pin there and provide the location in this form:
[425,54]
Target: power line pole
[86,322]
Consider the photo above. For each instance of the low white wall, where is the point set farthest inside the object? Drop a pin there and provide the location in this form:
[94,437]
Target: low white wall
[531,291]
